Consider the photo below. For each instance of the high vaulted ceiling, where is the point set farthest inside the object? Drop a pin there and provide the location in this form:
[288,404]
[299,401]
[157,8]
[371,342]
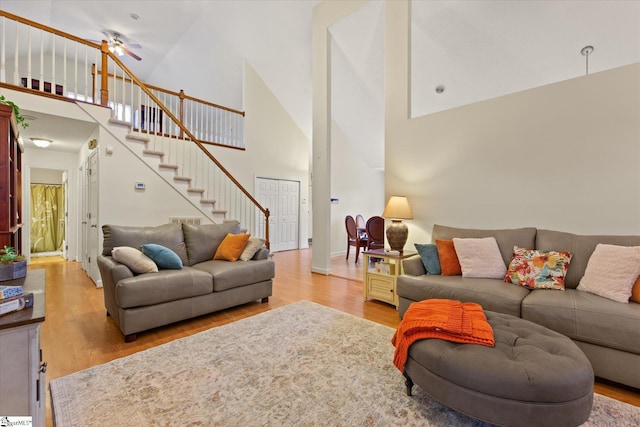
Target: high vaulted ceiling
[476,49]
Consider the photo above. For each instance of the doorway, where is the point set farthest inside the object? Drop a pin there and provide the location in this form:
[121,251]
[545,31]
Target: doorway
[281,197]
[48,212]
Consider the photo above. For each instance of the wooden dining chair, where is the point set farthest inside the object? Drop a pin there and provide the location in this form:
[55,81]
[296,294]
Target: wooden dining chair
[375,233]
[353,238]
[361,226]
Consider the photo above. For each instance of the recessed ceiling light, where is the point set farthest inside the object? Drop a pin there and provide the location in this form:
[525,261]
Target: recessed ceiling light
[134,16]
[41,142]
[439,88]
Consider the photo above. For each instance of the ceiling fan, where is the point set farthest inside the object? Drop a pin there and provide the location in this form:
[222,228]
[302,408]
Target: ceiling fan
[118,44]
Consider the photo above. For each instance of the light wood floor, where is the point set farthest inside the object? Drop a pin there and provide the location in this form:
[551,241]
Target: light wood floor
[77,334]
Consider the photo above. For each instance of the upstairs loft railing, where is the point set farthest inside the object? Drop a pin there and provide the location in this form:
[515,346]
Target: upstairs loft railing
[37,58]
[210,123]
[40,58]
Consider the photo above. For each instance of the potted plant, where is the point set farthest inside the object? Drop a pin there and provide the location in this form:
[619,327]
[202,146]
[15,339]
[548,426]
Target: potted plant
[12,264]
[16,111]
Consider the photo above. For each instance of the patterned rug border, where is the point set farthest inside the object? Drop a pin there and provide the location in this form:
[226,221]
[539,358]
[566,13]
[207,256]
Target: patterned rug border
[281,363]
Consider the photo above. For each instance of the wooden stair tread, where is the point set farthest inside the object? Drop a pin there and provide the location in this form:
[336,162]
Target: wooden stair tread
[134,137]
[119,123]
[221,212]
[182,178]
[168,166]
[213,202]
[153,153]
[195,190]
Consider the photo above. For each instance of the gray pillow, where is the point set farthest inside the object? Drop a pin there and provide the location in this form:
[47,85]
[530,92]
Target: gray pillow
[429,255]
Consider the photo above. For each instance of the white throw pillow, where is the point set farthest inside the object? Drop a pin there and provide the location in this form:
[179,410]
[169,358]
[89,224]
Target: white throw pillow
[134,259]
[480,258]
[253,245]
[611,272]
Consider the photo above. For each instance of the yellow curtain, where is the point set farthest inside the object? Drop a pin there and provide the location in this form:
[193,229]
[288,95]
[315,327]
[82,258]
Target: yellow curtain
[47,218]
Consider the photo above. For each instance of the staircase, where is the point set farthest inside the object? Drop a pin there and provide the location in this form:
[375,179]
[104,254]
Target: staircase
[186,169]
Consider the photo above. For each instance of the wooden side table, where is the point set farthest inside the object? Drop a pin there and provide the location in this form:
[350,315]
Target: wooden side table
[380,278]
[22,371]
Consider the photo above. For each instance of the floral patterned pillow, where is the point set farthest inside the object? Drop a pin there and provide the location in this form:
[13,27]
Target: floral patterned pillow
[536,269]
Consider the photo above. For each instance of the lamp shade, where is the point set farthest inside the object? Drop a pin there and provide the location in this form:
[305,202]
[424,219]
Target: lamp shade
[397,208]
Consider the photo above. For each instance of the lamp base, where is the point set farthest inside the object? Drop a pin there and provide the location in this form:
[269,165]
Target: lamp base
[397,234]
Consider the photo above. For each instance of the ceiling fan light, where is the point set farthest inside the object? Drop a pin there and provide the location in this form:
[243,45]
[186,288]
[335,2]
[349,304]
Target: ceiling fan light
[119,50]
[111,49]
[41,142]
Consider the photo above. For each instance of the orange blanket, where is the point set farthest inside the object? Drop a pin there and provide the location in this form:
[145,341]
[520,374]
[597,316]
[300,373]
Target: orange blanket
[443,319]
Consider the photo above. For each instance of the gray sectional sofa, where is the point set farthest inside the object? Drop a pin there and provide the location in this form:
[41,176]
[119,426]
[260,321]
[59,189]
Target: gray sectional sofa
[608,332]
[138,302]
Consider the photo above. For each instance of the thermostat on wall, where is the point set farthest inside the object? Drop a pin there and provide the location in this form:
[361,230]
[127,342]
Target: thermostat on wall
[140,186]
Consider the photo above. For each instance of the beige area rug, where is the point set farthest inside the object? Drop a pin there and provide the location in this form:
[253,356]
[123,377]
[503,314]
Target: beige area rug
[300,365]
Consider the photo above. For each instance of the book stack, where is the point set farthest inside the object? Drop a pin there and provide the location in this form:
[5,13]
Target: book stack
[13,299]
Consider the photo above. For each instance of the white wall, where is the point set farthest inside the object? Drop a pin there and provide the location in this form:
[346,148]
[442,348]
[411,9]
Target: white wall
[563,156]
[358,188]
[275,146]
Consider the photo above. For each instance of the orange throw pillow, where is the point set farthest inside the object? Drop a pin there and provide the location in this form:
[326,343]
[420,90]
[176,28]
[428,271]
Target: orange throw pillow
[449,263]
[231,247]
[635,291]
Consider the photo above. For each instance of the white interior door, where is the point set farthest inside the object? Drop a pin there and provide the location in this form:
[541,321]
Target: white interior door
[65,220]
[92,219]
[288,195]
[281,197]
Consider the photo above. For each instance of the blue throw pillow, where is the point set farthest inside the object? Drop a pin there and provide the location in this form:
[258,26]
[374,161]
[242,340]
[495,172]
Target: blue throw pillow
[164,257]
[429,255]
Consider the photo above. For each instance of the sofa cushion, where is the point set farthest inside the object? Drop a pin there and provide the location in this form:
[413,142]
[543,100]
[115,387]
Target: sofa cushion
[635,291]
[169,235]
[227,275]
[166,285]
[581,248]
[491,294]
[506,238]
[164,257]
[429,257]
[586,317]
[480,258]
[134,259]
[253,246]
[535,269]
[449,263]
[202,241]
[611,272]
[231,247]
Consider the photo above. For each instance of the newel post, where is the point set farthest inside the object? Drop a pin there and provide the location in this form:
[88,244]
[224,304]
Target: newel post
[104,82]
[266,228]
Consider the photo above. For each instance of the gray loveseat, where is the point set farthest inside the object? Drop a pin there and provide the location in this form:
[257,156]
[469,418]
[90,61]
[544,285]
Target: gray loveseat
[138,302]
[608,332]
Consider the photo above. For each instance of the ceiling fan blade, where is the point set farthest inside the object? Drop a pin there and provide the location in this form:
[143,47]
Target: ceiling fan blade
[133,45]
[108,35]
[131,54]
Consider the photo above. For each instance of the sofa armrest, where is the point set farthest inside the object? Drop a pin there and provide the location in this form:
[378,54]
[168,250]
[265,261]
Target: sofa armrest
[413,266]
[111,272]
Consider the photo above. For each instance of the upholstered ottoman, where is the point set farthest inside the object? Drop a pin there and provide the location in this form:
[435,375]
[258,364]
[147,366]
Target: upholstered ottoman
[532,377]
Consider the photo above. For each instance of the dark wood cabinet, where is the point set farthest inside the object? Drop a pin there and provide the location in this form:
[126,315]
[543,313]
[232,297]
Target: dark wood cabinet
[10,180]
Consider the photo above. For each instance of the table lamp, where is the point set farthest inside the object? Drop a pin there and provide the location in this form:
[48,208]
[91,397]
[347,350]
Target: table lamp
[396,210]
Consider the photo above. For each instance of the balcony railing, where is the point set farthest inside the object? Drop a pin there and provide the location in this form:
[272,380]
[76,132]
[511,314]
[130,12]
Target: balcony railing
[37,58]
